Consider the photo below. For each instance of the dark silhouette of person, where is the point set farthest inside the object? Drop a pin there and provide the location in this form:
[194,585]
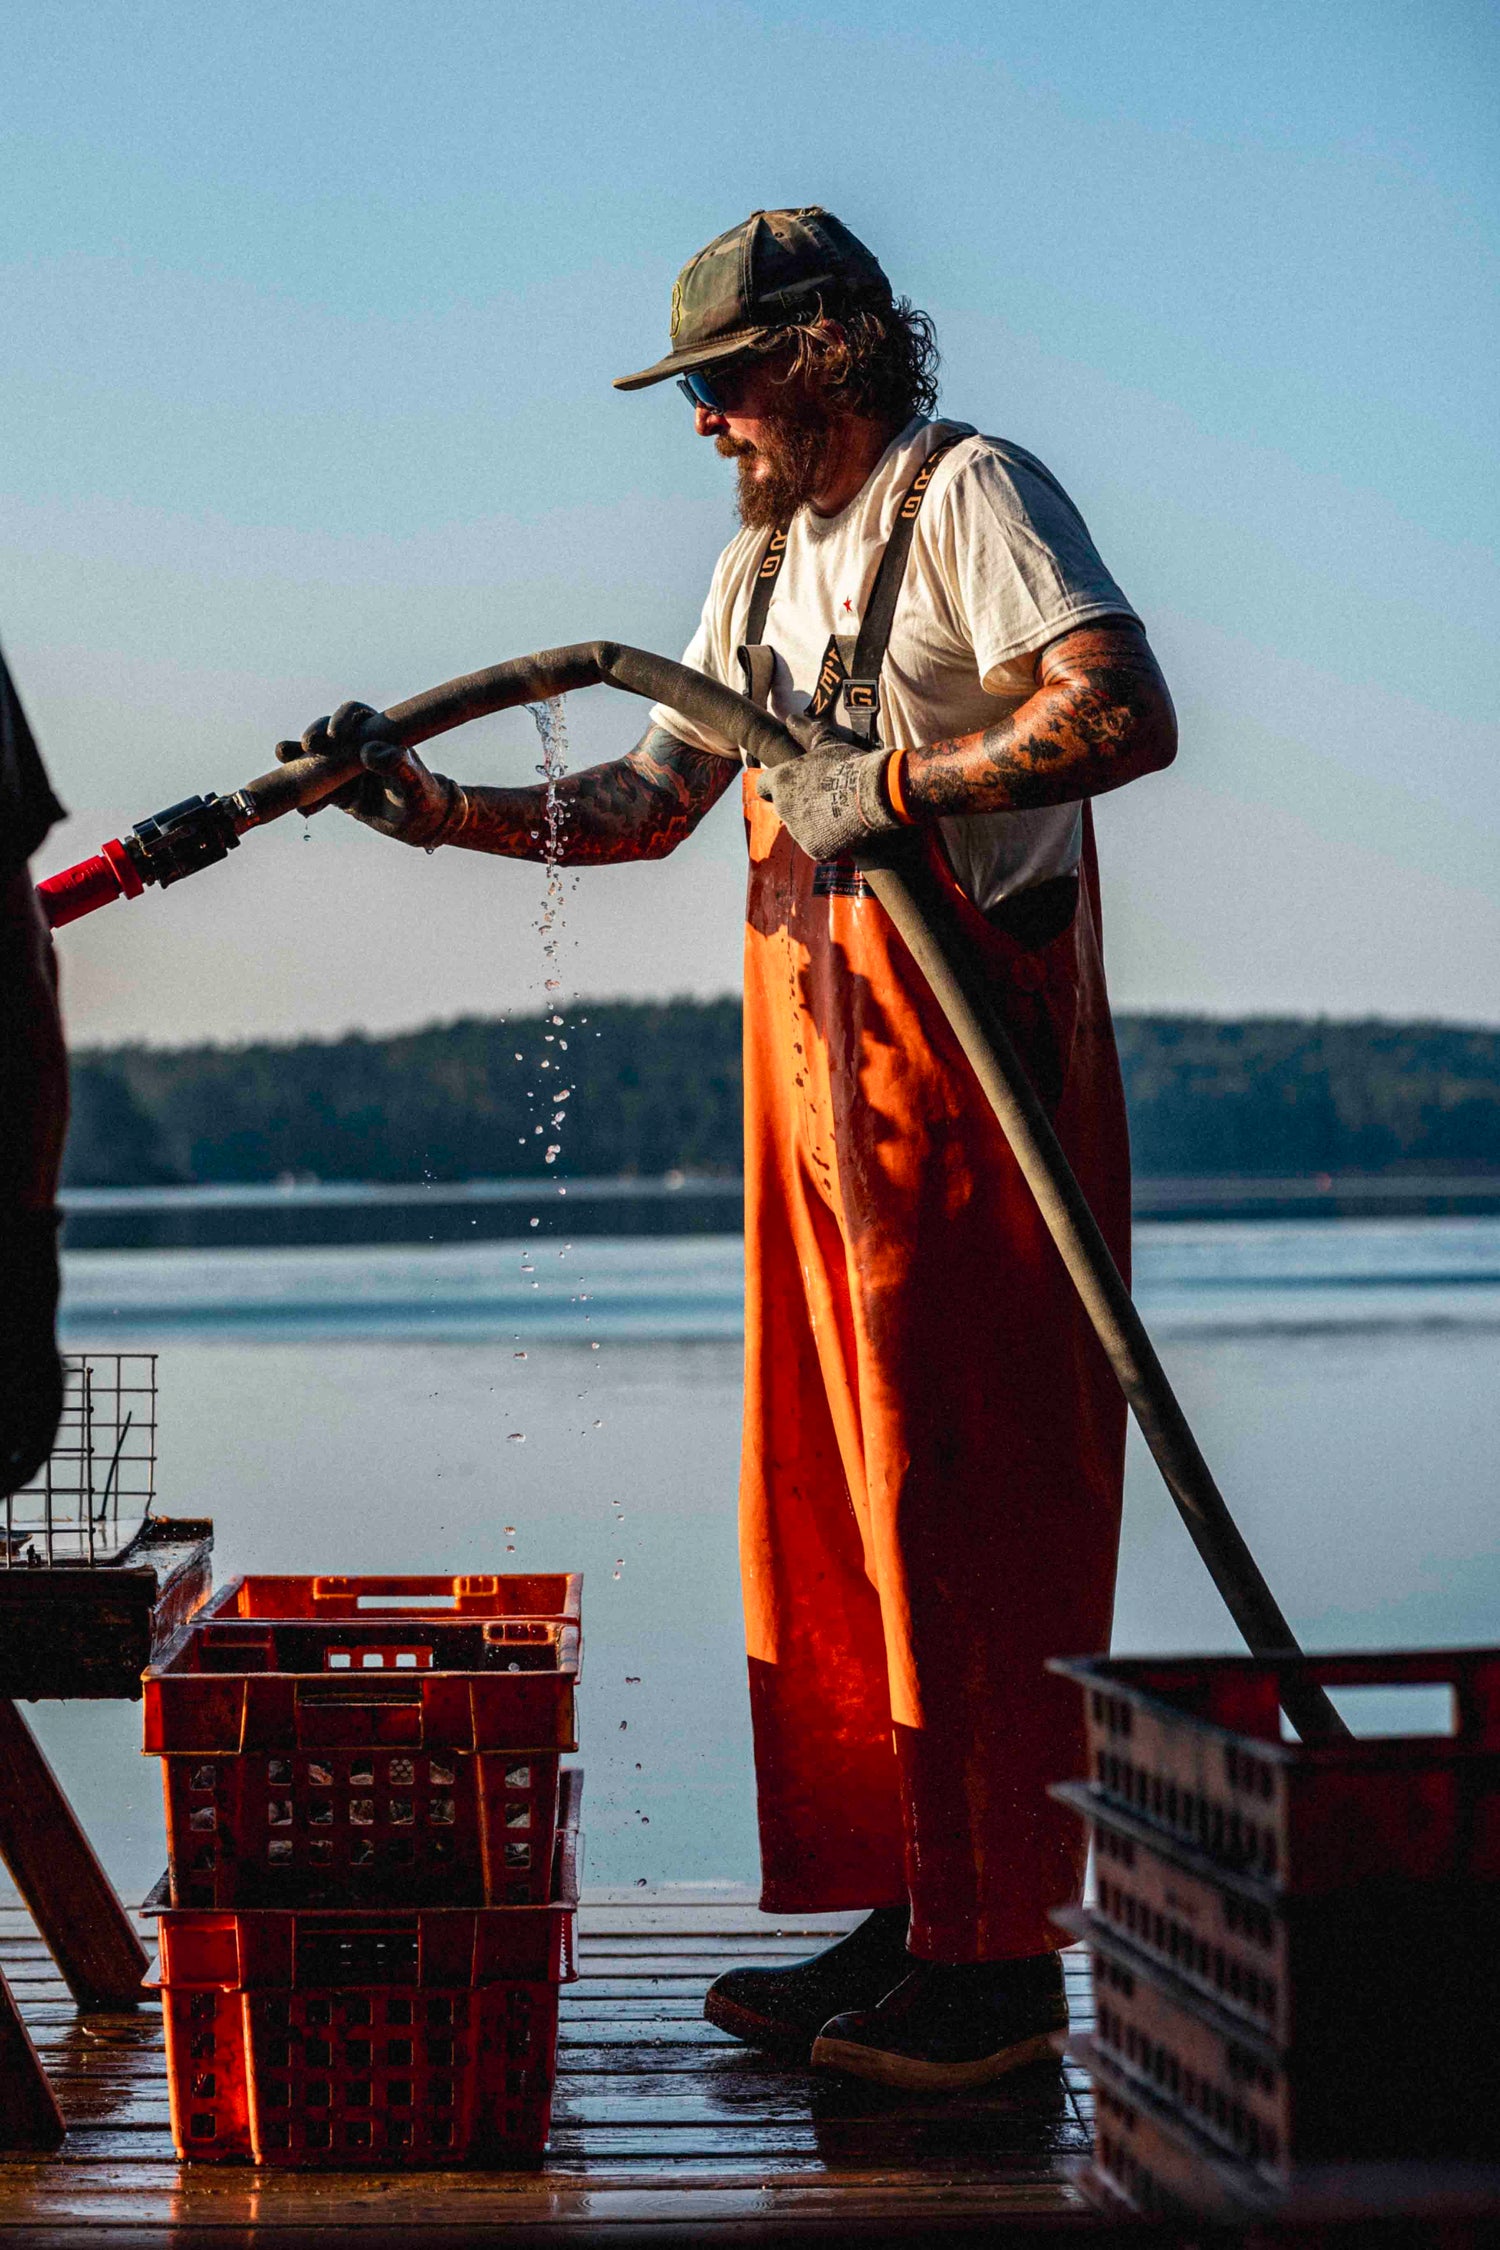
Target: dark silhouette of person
[33,1110]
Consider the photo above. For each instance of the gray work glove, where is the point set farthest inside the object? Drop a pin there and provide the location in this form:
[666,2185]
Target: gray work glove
[832,798]
[396,794]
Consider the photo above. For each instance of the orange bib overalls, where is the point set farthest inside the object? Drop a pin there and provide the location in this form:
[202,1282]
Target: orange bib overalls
[933,1441]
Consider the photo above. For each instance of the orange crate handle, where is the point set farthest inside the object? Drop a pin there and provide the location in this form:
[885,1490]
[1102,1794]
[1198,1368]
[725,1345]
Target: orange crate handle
[342,1596]
[386,1712]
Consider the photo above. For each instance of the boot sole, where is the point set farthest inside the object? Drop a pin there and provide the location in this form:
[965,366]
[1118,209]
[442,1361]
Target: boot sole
[916,2075]
[780,2039]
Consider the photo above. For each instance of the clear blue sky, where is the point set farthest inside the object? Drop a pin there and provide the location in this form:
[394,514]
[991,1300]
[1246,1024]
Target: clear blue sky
[310,316]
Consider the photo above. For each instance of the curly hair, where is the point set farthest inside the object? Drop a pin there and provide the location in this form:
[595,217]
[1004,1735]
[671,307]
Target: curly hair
[868,356]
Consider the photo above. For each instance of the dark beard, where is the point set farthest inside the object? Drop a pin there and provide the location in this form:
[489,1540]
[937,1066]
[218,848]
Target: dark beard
[794,448]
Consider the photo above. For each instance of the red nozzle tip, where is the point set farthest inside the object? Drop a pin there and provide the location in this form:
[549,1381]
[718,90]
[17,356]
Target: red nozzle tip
[90,884]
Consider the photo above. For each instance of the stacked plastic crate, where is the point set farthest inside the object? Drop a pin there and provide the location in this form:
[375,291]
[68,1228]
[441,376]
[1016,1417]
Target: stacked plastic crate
[1295,1946]
[373,1854]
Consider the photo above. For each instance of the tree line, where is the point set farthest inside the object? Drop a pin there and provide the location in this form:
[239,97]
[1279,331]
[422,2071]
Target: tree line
[655,1087]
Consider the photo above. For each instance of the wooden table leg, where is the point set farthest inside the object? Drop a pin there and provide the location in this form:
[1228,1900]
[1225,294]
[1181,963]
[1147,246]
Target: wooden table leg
[52,1863]
[29,2115]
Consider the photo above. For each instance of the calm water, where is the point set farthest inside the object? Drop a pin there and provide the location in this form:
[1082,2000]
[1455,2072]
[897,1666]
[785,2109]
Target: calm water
[354,1409]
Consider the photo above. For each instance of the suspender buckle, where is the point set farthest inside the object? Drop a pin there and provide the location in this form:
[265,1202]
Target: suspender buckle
[862,707]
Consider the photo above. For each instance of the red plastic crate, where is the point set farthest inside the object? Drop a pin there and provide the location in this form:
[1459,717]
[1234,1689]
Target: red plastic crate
[224,1687]
[556,1595]
[354,1827]
[347,1763]
[1192,1745]
[1383,2070]
[358,2039]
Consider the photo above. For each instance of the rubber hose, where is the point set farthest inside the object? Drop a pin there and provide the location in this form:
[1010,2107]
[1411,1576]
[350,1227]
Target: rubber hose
[903,880]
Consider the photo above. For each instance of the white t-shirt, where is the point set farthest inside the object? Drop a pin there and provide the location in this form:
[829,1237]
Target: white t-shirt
[1000,565]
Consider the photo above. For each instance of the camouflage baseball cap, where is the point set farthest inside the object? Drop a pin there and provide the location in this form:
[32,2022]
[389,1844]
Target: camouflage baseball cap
[760,276]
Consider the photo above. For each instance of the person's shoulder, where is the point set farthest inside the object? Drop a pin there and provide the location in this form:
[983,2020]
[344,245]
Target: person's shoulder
[1001,484]
[1004,472]
[735,564]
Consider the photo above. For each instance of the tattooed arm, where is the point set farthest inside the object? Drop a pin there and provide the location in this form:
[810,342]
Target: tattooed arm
[1101,716]
[638,807]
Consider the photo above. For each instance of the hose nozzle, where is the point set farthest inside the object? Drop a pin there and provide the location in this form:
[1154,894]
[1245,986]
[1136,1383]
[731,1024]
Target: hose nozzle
[162,850]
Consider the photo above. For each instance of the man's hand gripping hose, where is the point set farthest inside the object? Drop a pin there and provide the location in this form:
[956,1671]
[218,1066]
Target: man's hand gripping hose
[396,794]
[902,878]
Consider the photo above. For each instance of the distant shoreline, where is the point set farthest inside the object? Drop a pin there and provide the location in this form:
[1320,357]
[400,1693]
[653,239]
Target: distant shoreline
[352,1212]
[618,1092]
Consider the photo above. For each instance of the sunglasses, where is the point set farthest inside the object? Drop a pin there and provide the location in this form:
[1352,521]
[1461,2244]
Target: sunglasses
[719,392]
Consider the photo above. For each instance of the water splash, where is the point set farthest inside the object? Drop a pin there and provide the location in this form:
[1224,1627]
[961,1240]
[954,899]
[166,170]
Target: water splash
[552,726]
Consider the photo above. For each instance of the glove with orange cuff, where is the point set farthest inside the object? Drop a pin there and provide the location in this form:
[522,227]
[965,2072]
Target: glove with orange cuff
[836,795]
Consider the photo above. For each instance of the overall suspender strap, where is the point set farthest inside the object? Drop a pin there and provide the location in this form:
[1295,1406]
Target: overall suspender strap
[880,610]
[765,586]
[853,671]
[859,677]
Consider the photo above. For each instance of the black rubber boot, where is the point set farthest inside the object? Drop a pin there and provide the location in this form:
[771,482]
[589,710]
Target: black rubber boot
[785,2007]
[944,2029]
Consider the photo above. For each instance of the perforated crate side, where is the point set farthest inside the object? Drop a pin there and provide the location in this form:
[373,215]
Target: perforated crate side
[1314,1973]
[207,2072]
[1193,1745]
[1388,2012]
[344,1828]
[1234,1946]
[361,2076]
[1162,2172]
[1232,2085]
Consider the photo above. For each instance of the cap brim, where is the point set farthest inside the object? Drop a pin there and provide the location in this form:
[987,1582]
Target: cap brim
[694,355]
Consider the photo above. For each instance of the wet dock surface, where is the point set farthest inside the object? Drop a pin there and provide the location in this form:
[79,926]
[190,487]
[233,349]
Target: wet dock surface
[661,2123]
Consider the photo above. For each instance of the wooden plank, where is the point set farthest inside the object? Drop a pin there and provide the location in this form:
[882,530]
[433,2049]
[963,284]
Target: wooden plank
[53,1866]
[458,2204]
[676,2103]
[659,2119]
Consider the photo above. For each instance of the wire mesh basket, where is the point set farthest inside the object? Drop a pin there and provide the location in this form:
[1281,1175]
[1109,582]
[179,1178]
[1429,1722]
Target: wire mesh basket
[93,1493]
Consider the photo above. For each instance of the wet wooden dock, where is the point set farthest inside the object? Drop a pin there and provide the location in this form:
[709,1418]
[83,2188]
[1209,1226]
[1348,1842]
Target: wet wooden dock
[662,2125]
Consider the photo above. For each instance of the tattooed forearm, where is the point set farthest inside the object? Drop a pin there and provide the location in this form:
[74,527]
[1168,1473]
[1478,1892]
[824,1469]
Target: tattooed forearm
[1101,716]
[640,807]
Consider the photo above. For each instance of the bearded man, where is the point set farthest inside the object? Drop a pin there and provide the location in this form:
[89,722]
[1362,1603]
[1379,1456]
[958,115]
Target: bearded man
[933,1442]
